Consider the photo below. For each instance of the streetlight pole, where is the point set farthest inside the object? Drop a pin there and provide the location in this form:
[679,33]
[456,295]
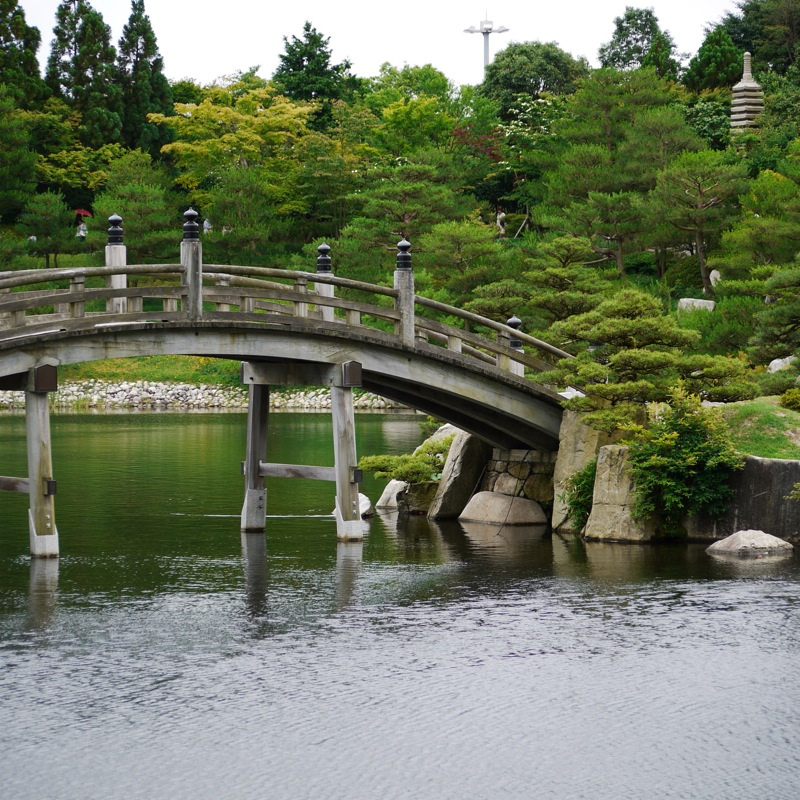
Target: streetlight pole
[487,27]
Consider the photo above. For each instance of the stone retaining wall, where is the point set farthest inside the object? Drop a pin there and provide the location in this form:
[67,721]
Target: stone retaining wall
[521,473]
[144,395]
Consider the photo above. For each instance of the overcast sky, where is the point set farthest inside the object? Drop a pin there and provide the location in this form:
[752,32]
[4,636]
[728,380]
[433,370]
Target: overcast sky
[205,39]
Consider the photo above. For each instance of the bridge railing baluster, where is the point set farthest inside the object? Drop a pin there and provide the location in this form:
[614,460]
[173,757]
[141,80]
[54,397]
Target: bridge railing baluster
[77,308]
[224,281]
[301,287]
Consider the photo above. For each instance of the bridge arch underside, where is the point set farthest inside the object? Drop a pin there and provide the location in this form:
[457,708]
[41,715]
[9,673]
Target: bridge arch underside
[505,410]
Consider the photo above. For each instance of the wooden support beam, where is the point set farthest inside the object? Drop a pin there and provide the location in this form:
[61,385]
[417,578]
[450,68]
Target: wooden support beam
[274,470]
[14,485]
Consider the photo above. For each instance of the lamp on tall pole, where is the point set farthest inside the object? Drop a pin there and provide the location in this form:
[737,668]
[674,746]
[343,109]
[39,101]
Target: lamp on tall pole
[487,27]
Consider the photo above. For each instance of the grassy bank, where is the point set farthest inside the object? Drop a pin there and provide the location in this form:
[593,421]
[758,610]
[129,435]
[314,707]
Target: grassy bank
[177,369]
[762,428]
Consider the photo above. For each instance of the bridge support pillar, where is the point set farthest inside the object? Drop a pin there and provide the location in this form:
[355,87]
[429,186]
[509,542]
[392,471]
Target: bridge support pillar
[254,510]
[41,486]
[349,525]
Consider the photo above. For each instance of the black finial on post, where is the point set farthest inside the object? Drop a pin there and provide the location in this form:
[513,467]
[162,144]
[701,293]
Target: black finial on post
[404,257]
[323,259]
[514,322]
[115,231]
[191,230]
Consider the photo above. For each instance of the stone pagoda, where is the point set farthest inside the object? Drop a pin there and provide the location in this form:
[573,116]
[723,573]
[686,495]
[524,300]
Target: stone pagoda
[748,99]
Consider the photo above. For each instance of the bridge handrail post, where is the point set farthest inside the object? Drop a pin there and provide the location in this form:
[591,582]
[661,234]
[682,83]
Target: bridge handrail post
[505,362]
[192,263]
[117,256]
[404,302]
[325,289]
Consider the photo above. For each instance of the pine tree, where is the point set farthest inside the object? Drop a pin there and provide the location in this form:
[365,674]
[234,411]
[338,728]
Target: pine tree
[145,88]
[19,67]
[16,160]
[718,62]
[306,73]
[81,70]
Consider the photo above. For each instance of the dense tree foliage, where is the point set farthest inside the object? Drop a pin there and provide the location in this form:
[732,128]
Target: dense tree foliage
[529,69]
[19,67]
[16,159]
[638,35]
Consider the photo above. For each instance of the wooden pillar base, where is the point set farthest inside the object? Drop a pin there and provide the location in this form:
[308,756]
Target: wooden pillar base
[350,530]
[254,511]
[43,545]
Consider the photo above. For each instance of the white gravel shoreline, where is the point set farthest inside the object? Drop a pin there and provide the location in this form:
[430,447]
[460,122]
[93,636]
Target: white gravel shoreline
[150,395]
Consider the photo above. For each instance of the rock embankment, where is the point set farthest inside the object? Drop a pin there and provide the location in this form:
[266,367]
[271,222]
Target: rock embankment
[108,396]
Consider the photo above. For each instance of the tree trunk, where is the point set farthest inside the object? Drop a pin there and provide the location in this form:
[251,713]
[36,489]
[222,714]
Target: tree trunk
[708,289]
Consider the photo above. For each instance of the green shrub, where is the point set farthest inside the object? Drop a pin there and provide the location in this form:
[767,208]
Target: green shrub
[681,462]
[771,383]
[727,328]
[791,399]
[578,494]
[425,464]
[683,277]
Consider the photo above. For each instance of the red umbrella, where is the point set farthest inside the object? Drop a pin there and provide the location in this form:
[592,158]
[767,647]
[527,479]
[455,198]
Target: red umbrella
[82,212]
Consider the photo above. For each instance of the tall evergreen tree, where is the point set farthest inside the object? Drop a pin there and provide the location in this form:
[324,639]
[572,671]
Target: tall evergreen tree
[306,73]
[718,62]
[19,68]
[81,69]
[16,160]
[145,88]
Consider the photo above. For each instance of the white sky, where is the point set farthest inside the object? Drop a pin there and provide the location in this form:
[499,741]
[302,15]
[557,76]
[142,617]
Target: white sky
[205,39]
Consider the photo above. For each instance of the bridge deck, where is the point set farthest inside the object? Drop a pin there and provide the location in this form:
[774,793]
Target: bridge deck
[421,358]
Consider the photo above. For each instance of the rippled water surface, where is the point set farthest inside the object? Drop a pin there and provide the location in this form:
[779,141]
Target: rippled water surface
[164,657]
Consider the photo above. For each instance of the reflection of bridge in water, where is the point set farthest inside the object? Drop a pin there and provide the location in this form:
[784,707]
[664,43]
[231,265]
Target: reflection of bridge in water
[288,328]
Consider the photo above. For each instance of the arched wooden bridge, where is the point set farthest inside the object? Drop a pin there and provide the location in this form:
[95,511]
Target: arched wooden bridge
[289,327]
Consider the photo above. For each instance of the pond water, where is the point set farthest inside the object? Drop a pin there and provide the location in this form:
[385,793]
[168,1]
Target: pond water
[161,656]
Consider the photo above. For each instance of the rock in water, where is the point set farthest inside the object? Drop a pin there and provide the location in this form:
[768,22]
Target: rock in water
[501,509]
[750,544]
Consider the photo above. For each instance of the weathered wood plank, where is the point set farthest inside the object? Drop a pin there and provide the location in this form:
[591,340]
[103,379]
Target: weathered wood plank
[14,485]
[268,470]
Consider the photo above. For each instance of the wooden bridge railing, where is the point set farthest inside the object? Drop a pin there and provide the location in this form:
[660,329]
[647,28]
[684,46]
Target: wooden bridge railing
[38,301]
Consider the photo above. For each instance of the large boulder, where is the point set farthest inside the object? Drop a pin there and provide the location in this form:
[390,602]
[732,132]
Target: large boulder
[611,518]
[693,304]
[389,497]
[578,444]
[502,509]
[462,470]
[750,544]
